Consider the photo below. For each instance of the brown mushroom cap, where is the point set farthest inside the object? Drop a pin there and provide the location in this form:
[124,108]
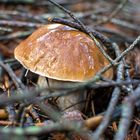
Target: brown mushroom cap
[60,52]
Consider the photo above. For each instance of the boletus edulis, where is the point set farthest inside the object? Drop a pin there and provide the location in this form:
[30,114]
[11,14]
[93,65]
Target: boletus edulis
[64,55]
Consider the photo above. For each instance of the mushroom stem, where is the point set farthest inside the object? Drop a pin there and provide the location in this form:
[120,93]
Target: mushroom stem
[70,102]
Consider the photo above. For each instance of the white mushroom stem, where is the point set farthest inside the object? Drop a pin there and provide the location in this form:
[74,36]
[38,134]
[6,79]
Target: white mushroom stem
[73,101]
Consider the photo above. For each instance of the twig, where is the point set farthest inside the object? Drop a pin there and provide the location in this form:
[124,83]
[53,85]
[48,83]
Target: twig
[114,13]
[5,123]
[15,79]
[19,23]
[32,94]
[15,35]
[28,120]
[114,99]
[11,113]
[49,111]
[70,13]
[130,48]
[127,113]
[22,118]
[126,24]
[20,114]
[18,1]
[36,3]
[3,29]
[119,22]
[115,35]
[21,14]
[128,78]
[38,131]
[97,85]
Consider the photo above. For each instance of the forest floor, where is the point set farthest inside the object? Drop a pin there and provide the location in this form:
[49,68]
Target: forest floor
[29,110]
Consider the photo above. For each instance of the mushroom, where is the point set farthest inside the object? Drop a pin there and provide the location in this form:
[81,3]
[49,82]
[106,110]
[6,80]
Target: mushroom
[64,55]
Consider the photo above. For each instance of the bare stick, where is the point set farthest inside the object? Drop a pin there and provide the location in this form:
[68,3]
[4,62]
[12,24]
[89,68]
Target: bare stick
[70,13]
[114,13]
[114,99]
[127,112]
[15,79]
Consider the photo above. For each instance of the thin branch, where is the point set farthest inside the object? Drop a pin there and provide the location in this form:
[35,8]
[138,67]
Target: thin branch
[70,13]
[127,113]
[114,13]
[3,29]
[119,22]
[16,35]
[22,14]
[15,79]
[19,23]
[63,126]
[114,99]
